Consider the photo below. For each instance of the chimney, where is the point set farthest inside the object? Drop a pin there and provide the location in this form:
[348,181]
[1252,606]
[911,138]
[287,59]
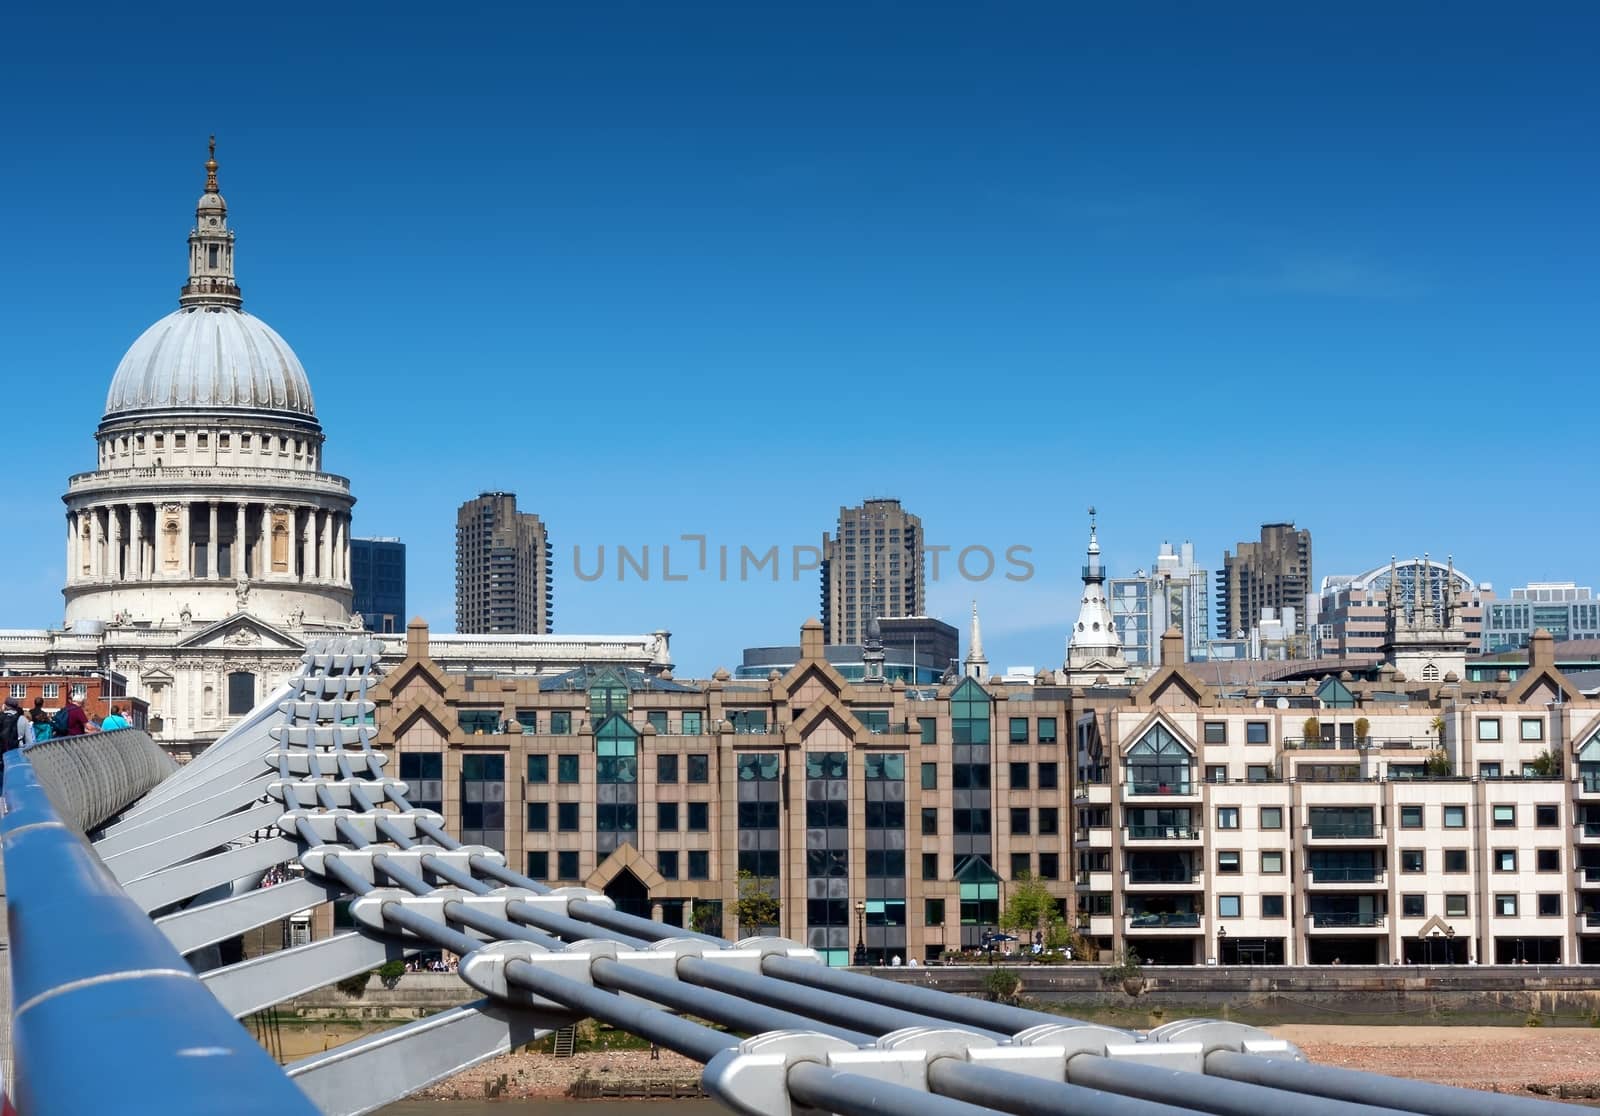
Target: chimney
[417,638]
[811,639]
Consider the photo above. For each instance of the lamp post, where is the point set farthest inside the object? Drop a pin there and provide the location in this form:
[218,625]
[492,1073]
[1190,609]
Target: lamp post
[1433,943]
[861,932]
[1450,949]
[1222,938]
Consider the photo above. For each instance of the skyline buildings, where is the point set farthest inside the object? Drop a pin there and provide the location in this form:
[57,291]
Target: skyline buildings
[1273,572]
[378,583]
[1175,593]
[504,569]
[873,567]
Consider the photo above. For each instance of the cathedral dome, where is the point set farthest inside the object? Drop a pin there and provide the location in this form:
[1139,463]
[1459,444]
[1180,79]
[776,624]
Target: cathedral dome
[210,356]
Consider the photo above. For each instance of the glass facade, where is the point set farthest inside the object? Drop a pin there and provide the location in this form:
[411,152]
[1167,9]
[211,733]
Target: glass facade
[483,800]
[616,747]
[760,794]
[886,856]
[971,714]
[423,774]
[828,855]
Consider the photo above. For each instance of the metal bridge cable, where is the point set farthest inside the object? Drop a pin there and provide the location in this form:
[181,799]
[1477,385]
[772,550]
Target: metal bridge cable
[429,930]
[614,919]
[910,997]
[815,1003]
[346,875]
[692,1040]
[852,1094]
[500,872]
[498,928]
[452,874]
[1026,1095]
[401,875]
[733,1012]
[1208,1094]
[1352,1085]
[569,928]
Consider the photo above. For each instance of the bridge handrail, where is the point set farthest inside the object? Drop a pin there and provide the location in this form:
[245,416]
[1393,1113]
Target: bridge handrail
[93,777]
[107,1016]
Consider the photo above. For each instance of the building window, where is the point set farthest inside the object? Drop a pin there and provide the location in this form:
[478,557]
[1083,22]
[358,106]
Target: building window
[1271,862]
[1413,860]
[1255,732]
[1257,773]
[538,769]
[1550,905]
[1532,728]
[1021,865]
[538,817]
[539,865]
[1227,906]
[657,719]
[1505,860]
[1505,816]
[1019,730]
[1216,732]
[667,864]
[1272,906]
[566,865]
[1227,817]
[1413,906]
[52,691]
[933,912]
[1547,860]
[1455,860]
[666,768]
[930,866]
[1047,776]
[1505,905]
[699,767]
[1489,728]
[483,800]
[1049,821]
[423,774]
[1228,862]
[1159,764]
[1272,817]
[1049,866]
[567,768]
[1047,730]
[561,723]
[930,821]
[699,817]
[1547,816]
[1216,773]
[930,776]
[928,725]
[19,690]
[1455,817]
[1488,770]
[567,817]
[699,864]
[1019,776]
[759,790]
[666,817]
[1455,906]
[689,725]
[1021,821]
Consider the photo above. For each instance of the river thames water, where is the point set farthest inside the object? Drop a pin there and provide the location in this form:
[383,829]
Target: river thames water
[701,1107]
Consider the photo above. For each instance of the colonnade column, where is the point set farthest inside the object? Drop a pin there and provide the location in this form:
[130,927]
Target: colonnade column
[97,549]
[308,554]
[136,545]
[211,540]
[327,545]
[264,545]
[115,552]
[236,560]
[72,547]
[341,548]
[185,559]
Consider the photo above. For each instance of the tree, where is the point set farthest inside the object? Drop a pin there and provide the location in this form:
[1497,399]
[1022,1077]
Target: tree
[706,917]
[1363,726]
[1437,726]
[1312,730]
[1545,764]
[757,907]
[1439,763]
[1030,907]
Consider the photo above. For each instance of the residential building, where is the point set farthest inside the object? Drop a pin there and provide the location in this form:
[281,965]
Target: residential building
[874,567]
[504,568]
[1176,593]
[1566,610]
[1272,573]
[1350,615]
[378,583]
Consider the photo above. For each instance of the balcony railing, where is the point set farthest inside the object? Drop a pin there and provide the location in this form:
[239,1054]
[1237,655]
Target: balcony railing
[1346,918]
[1163,832]
[1345,875]
[1589,782]
[1589,828]
[1159,788]
[1591,920]
[1170,920]
[1356,831]
[1162,876]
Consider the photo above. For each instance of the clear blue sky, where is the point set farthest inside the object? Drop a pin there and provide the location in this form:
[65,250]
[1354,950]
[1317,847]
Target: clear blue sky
[666,269]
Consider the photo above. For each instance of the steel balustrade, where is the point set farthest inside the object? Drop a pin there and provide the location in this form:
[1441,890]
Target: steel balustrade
[298,780]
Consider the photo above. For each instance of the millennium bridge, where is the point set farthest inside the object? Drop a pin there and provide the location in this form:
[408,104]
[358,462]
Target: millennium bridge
[124,873]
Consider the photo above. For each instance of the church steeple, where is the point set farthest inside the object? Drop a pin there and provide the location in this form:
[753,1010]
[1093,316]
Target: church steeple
[211,280]
[1094,649]
[977,666]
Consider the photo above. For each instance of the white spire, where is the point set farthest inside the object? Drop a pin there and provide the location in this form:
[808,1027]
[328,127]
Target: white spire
[977,665]
[1094,649]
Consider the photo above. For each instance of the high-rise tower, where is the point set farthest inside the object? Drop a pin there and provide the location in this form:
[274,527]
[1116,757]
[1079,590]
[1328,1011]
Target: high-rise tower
[503,568]
[872,569]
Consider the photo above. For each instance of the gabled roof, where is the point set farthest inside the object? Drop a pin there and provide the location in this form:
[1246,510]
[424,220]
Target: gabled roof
[240,630]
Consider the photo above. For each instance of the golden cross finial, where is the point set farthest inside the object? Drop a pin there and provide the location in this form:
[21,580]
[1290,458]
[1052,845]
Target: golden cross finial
[211,167]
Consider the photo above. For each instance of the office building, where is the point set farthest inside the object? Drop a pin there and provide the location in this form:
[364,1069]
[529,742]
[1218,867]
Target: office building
[1566,610]
[919,650]
[1350,612]
[1175,593]
[504,568]
[378,583]
[1272,573]
[874,567]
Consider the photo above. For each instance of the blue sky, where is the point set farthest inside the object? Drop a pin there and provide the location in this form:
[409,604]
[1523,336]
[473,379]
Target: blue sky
[690,269]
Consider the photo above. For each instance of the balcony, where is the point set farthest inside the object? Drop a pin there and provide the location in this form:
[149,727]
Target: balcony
[1587,830]
[1324,876]
[1185,922]
[1159,878]
[1591,920]
[1591,874]
[1153,790]
[1162,832]
[1345,831]
[1345,920]
[1589,782]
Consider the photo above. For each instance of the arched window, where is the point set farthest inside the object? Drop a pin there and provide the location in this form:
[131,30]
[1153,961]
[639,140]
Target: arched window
[1159,764]
[1430,672]
[241,693]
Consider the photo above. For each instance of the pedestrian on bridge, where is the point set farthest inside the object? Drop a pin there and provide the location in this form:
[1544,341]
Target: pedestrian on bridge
[16,731]
[114,721]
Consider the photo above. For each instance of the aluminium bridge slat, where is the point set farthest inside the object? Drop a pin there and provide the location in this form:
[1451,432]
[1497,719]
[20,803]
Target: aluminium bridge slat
[249,769]
[184,881]
[1217,1095]
[1025,1095]
[369,1073]
[272,978]
[176,849]
[197,927]
[220,804]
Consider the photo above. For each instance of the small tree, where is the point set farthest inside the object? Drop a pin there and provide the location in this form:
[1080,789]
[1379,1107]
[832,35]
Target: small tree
[1030,907]
[1312,730]
[757,907]
[1363,726]
[1545,764]
[706,917]
[1437,727]
[1001,985]
[1438,763]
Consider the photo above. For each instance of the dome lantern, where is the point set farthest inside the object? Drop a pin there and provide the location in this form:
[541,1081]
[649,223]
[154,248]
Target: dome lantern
[211,280]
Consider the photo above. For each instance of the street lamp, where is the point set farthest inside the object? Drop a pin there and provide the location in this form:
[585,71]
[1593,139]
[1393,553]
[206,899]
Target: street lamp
[1222,938]
[861,932]
[1432,943]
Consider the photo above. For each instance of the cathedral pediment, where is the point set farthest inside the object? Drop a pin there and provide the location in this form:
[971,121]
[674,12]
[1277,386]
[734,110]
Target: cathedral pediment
[240,631]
